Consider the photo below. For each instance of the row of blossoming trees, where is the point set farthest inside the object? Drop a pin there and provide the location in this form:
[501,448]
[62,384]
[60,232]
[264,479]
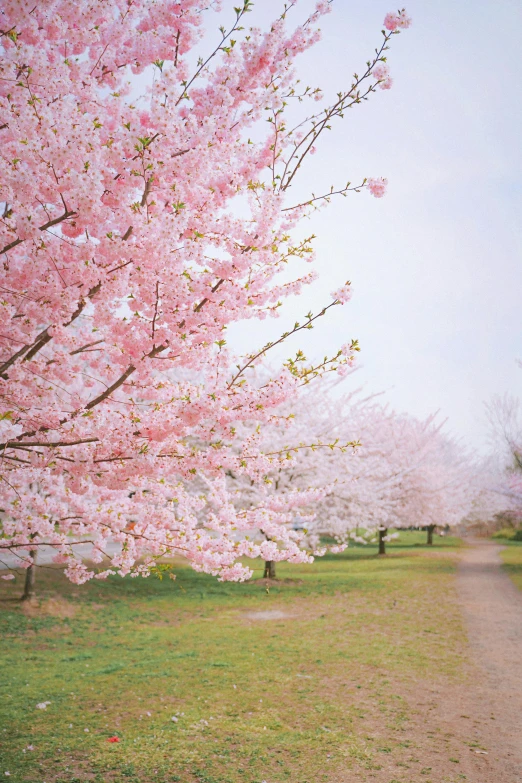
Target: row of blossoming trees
[131,238]
[375,469]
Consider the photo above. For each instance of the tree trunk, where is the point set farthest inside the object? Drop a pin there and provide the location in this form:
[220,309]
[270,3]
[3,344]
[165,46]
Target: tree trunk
[29,591]
[270,570]
[430,530]
[382,543]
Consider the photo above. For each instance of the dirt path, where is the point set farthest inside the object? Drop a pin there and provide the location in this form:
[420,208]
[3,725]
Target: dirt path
[492,608]
[469,730]
[477,723]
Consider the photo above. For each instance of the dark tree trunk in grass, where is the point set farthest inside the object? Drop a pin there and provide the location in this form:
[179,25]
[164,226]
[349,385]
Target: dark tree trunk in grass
[29,591]
[430,530]
[382,543]
[270,570]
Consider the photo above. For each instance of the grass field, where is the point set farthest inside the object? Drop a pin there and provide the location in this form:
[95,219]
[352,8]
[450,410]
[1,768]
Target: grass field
[512,557]
[301,683]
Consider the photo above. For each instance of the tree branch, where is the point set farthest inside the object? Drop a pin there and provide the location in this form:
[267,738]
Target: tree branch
[269,346]
[66,214]
[341,191]
[54,444]
[121,380]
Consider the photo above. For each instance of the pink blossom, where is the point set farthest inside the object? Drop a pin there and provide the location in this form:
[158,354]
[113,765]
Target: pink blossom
[394,21]
[381,71]
[343,294]
[323,6]
[391,21]
[347,349]
[8,576]
[377,186]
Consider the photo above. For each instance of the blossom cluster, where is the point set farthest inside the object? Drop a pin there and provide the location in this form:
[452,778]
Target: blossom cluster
[397,21]
[343,294]
[377,186]
[381,72]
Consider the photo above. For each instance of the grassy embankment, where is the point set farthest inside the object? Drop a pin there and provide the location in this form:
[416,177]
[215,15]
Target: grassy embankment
[512,557]
[307,682]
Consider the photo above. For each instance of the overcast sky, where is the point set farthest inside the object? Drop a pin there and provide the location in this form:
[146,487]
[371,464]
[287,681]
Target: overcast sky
[436,265]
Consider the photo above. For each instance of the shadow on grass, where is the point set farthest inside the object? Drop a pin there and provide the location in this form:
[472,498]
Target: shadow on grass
[131,600]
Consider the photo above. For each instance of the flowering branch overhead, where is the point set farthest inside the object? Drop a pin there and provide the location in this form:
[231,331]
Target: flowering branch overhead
[121,404]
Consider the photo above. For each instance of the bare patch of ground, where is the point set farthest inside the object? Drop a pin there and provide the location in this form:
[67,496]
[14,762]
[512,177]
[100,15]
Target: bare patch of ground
[52,607]
[269,614]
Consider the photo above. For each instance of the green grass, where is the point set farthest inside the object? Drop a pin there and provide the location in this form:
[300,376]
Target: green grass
[321,687]
[512,557]
[510,533]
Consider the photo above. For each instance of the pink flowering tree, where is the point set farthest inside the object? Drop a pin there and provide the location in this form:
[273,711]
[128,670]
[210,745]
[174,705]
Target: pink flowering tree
[504,475]
[440,490]
[491,507]
[307,449]
[386,474]
[412,474]
[405,473]
[134,231]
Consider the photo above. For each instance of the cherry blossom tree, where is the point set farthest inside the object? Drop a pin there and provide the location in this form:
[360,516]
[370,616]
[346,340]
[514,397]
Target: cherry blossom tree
[441,489]
[406,473]
[504,413]
[384,485]
[308,448]
[489,506]
[135,229]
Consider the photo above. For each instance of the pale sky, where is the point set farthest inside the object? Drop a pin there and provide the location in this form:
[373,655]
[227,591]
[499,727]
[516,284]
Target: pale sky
[436,264]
